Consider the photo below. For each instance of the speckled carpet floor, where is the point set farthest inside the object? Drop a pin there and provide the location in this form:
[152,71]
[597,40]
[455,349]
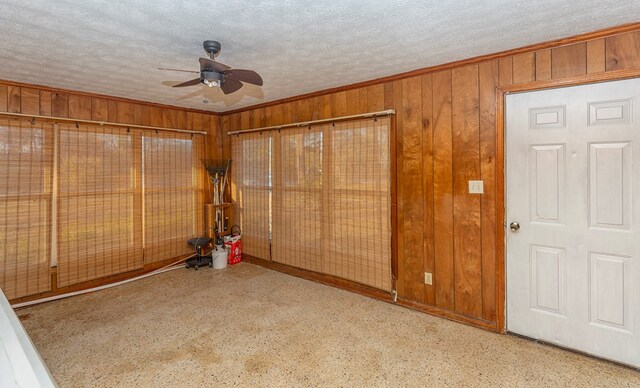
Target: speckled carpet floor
[250,326]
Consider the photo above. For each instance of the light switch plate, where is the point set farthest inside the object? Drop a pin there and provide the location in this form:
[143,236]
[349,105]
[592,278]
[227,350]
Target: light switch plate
[428,278]
[476,187]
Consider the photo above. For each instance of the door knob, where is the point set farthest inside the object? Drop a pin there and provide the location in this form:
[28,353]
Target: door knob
[514,226]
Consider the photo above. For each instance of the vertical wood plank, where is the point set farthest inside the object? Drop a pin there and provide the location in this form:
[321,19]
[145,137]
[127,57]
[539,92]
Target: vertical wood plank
[429,296]
[399,106]
[267,120]
[389,103]
[125,112]
[315,107]
[194,120]
[60,105]
[138,114]
[596,60]
[568,61]
[13,102]
[488,81]
[29,101]
[215,122]
[169,118]
[145,114]
[276,114]
[412,203]
[543,65]
[443,190]
[524,68]
[3,98]
[375,98]
[232,124]
[250,121]
[287,115]
[353,101]
[155,116]
[466,207]
[99,109]
[113,111]
[506,71]
[79,107]
[258,117]
[339,104]
[623,51]
[363,100]
[388,95]
[45,103]
[302,110]
[244,120]
[325,103]
[181,119]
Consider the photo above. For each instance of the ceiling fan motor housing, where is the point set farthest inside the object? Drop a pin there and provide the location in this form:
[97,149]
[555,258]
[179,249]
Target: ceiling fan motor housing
[211,76]
[212,47]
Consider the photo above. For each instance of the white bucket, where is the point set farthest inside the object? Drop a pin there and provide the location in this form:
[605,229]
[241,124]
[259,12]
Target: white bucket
[219,256]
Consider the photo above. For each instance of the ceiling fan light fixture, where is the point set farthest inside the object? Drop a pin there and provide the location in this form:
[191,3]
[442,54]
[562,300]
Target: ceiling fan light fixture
[211,84]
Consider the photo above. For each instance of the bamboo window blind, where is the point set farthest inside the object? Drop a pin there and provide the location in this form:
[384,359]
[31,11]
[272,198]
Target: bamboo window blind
[251,184]
[26,173]
[99,204]
[329,208]
[94,201]
[297,198]
[173,193]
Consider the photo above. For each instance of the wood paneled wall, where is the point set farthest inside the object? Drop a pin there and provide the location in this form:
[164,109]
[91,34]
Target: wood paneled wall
[34,100]
[446,135]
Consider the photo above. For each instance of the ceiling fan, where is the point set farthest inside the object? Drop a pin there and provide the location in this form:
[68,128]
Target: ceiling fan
[213,73]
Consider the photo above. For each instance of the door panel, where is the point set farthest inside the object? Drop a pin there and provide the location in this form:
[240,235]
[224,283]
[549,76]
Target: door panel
[573,276]
[547,184]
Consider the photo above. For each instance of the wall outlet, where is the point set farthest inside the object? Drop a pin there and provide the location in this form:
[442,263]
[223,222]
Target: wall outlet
[428,278]
[476,187]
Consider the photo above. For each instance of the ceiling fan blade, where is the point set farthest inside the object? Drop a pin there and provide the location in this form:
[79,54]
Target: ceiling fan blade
[208,64]
[230,86]
[248,76]
[194,81]
[184,71]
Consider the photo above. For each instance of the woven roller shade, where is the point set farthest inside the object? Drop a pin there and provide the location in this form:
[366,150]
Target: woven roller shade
[330,205]
[298,227]
[26,173]
[358,202]
[174,193]
[99,203]
[251,191]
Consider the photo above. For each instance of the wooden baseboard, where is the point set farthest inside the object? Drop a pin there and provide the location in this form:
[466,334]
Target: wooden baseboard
[371,292]
[321,278]
[55,291]
[450,315]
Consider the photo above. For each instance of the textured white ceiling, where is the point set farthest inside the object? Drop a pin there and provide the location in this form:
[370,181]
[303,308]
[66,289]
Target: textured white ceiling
[298,46]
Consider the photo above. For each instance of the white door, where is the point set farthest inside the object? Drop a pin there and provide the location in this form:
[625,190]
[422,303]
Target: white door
[573,186]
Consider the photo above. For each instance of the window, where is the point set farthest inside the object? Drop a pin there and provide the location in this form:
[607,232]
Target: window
[330,205]
[99,225]
[251,184]
[173,193]
[26,173]
[297,197]
[94,201]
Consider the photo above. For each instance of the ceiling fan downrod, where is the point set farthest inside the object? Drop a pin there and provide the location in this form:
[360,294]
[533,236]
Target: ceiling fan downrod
[212,48]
